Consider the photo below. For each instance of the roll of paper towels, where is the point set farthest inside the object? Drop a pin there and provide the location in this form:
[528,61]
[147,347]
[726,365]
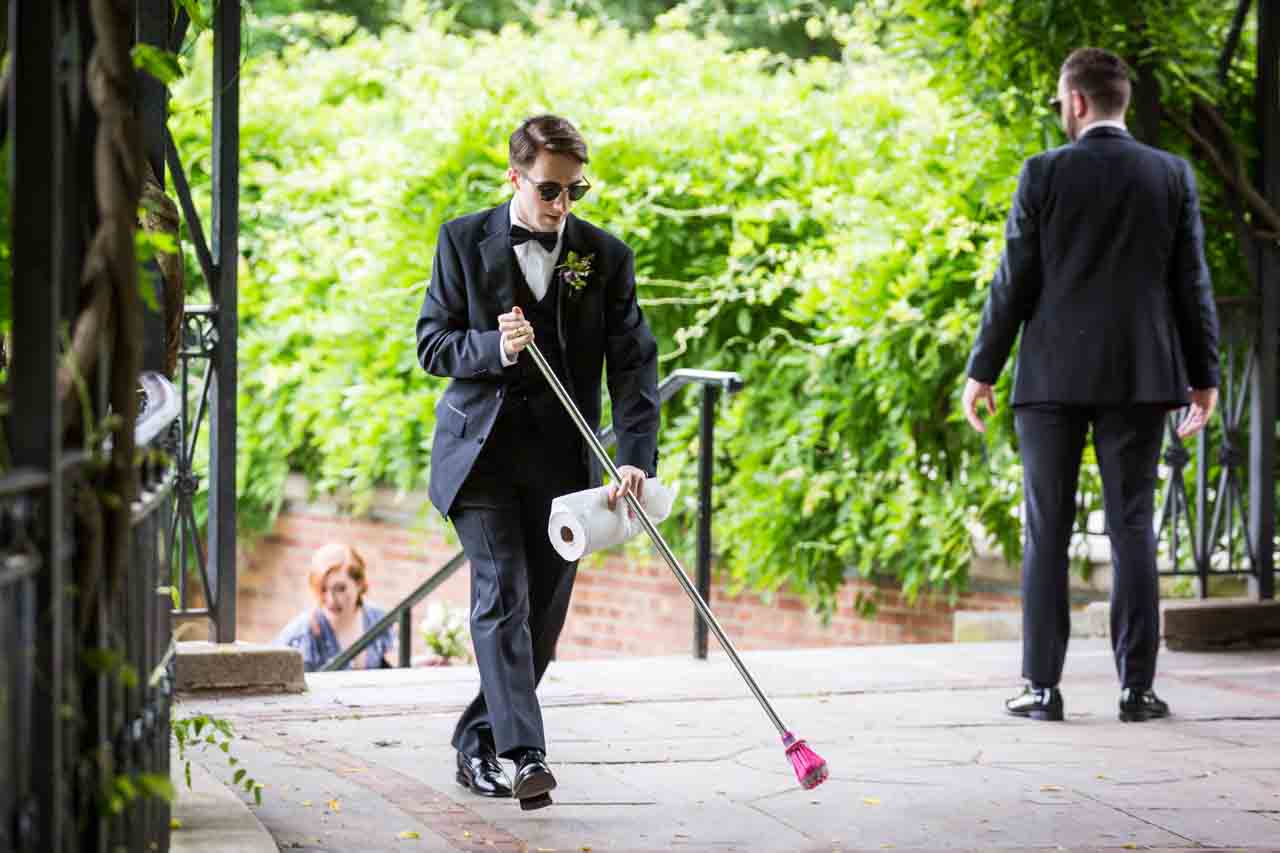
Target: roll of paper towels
[581,522]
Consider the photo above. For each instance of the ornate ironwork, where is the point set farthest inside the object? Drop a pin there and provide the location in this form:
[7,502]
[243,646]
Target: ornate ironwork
[1202,538]
[209,346]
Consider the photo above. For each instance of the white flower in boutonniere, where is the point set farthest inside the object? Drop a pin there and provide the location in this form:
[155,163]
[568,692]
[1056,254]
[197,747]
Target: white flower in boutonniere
[575,271]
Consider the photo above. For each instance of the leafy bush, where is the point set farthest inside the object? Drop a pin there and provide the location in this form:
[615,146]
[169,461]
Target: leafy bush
[822,227]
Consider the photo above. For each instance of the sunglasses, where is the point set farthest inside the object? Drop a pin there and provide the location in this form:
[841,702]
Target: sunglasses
[550,190]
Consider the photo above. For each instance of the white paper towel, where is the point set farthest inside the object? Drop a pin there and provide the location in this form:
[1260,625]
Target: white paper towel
[581,522]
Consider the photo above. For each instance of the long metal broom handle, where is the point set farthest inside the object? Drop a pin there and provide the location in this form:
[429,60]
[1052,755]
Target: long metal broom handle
[649,528]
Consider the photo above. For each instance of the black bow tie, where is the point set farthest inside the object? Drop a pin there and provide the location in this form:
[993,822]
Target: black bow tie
[547,239]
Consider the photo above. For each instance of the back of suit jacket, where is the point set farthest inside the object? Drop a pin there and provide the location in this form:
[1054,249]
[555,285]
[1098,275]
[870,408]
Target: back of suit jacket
[1104,273]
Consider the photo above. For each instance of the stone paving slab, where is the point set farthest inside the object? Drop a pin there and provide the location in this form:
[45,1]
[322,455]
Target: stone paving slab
[673,754]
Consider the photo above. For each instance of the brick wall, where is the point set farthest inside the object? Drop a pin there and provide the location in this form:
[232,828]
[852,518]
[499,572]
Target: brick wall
[620,606]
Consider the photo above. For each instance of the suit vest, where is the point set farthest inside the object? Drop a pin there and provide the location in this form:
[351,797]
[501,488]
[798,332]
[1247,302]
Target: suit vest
[528,387]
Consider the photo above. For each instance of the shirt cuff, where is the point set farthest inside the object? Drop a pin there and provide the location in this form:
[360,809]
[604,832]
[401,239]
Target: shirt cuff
[502,352]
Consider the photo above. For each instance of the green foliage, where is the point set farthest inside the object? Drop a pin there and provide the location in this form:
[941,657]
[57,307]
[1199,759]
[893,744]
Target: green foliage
[372,15]
[1006,58]
[797,28]
[121,790]
[822,227]
[160,64]
[203,732]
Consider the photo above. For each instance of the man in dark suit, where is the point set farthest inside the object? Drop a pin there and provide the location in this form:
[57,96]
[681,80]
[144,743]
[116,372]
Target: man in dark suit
[1104,273]
[504,447]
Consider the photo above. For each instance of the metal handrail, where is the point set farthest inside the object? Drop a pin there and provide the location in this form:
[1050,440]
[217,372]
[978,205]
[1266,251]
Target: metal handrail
[713,382]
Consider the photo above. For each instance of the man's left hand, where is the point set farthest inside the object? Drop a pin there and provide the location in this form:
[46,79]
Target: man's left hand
[632,482]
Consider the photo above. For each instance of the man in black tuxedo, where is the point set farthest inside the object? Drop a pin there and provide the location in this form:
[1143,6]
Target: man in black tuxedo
[504,447]
[1105,275]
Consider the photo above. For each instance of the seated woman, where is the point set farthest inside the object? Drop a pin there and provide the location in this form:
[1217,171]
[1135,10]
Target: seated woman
[337,580]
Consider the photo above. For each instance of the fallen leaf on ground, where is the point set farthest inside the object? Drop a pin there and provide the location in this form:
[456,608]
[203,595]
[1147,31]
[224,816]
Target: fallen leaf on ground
[466,834]
[352,769]
[174,823]
[407,834]
[1050,787]
[334,805]
[307,803]
[871,801]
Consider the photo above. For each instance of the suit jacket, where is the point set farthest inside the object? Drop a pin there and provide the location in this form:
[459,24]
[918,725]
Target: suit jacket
[601,326]
[1104,273]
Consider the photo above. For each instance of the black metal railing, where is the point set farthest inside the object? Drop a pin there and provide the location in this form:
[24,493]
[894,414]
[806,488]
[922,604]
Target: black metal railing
[1205,533]
[20,564]
[195,384]
[138,624]
[117,663]
[208,354]
[713,382]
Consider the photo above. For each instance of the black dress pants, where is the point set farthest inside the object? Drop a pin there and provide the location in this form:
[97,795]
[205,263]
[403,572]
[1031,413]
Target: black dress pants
[1127,443]
[520,587]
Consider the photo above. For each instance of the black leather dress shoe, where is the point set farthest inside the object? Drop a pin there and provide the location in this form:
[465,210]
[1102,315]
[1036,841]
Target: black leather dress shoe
[533,781]
[483,775]
[1037,703]
[1138,706]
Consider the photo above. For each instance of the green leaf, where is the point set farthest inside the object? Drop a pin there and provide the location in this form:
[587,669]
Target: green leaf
[156,785]
[160,64]
[199,20]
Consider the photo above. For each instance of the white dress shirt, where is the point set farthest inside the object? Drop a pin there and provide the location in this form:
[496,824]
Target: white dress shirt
[1106,122]
[535,262]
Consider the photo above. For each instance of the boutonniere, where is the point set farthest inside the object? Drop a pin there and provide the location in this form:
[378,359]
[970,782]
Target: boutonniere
[575,271]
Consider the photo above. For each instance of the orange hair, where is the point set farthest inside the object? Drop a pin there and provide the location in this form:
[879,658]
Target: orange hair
[332,557]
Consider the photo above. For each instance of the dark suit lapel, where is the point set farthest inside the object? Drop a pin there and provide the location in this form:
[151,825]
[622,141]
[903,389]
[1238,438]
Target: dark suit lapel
[498,259]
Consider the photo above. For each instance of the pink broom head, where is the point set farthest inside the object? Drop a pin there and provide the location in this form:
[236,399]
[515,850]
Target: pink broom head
[810,768]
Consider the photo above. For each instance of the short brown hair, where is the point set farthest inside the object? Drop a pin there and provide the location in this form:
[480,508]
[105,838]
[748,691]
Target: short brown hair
[1101,76]
[331,558]
[545,133]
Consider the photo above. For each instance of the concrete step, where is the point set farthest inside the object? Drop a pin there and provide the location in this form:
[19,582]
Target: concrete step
[1219,623]
[209,818]
[241,667]
[1186,624]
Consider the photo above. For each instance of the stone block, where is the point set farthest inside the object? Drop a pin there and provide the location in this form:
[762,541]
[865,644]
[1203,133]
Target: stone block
[239,667]
[1208,624]
[1220,623]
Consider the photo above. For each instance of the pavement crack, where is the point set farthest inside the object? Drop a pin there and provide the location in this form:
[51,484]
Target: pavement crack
[1097,801]
[752,805]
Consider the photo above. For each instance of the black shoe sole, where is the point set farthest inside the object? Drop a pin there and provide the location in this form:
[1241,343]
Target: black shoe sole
[1140,716]
[529,804]
[534,785]
[462,780]
[1045,716]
